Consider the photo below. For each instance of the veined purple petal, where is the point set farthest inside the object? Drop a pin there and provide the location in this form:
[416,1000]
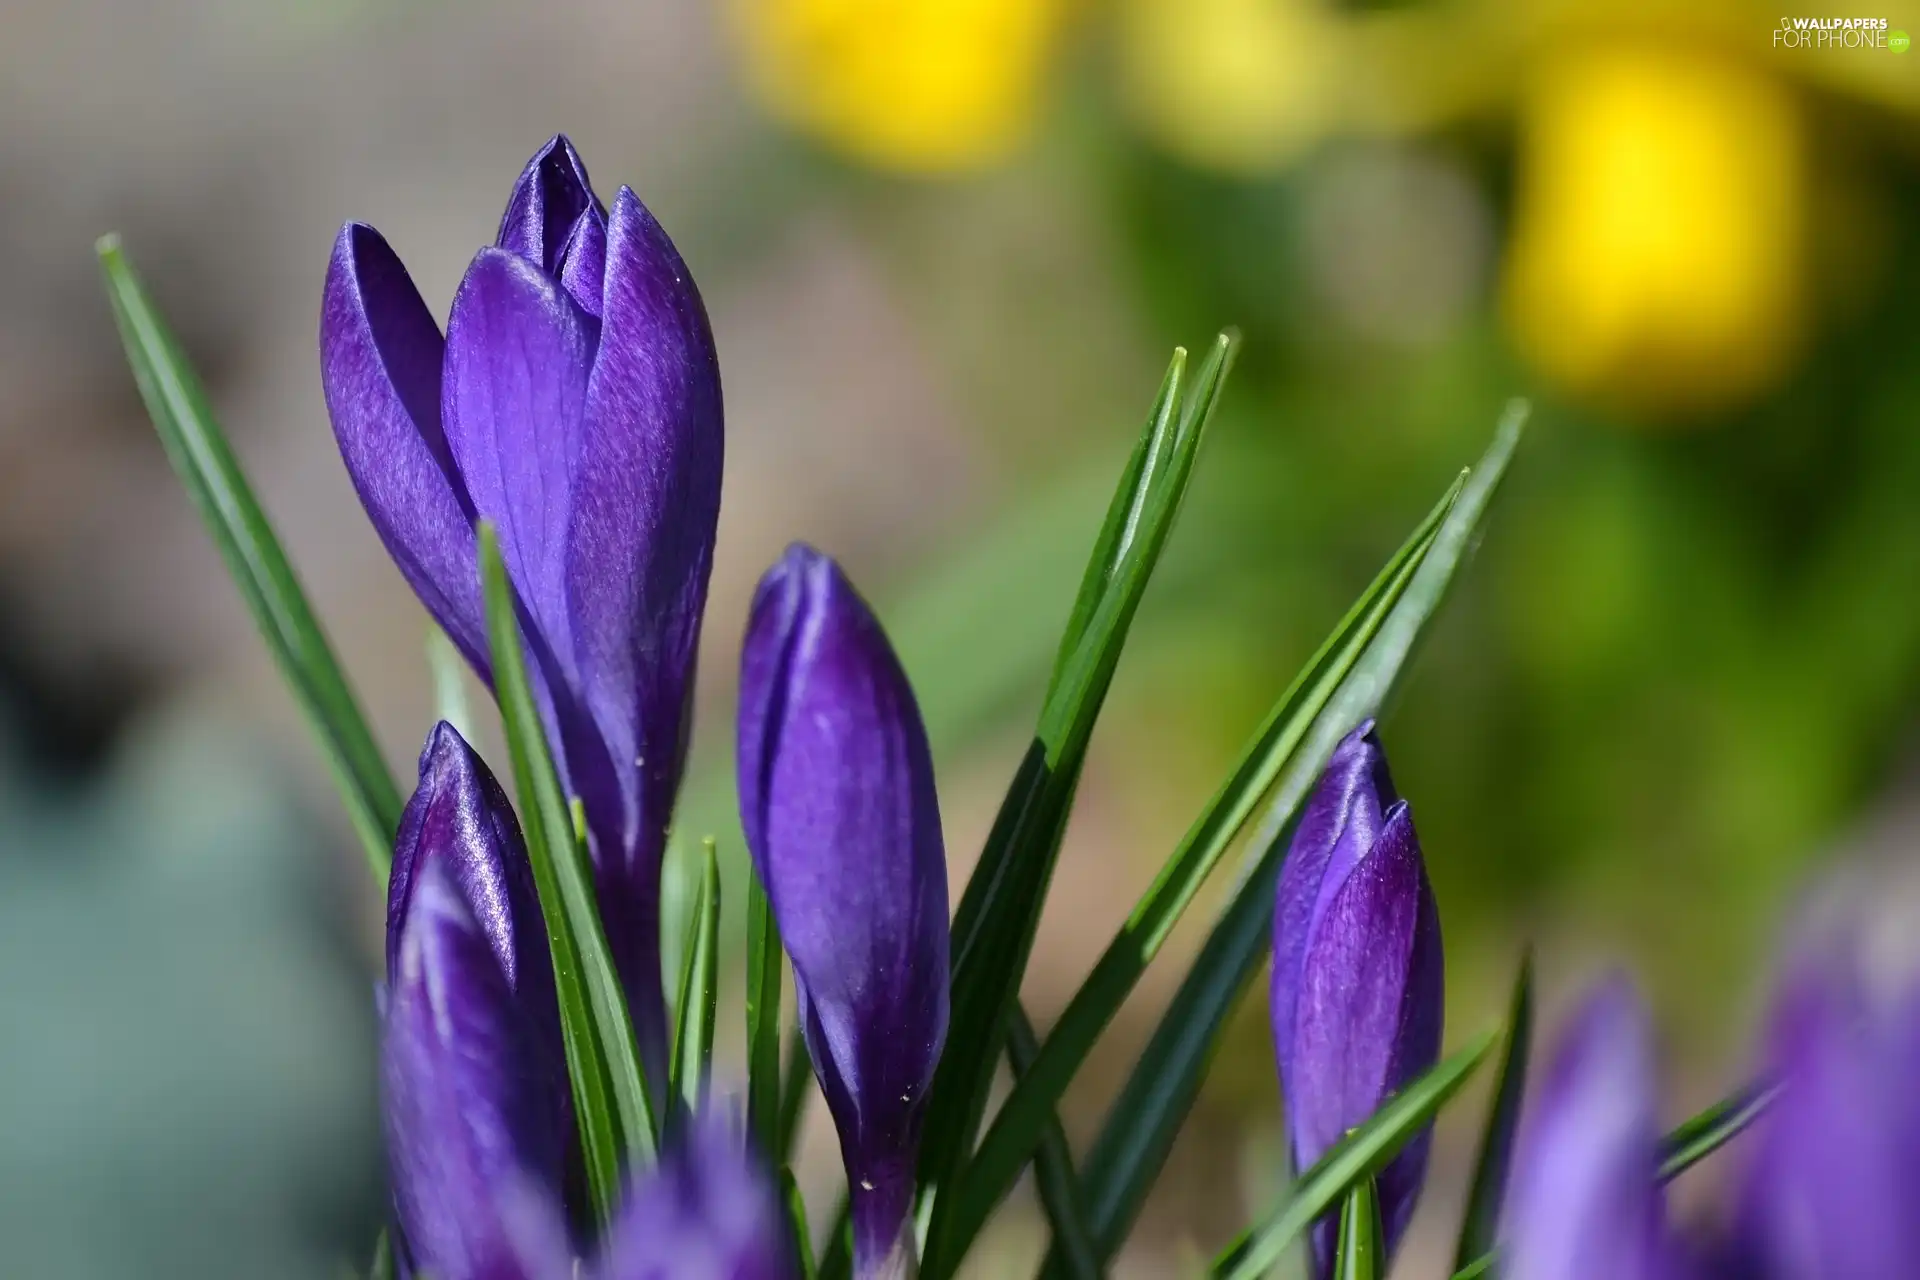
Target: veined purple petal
[1369,1015]
[473,1109]
[1585,1202]
[519,353]
[1340,822]
[639,548]
[380,366]
[837,798]
[1835,1176]
[707,1211]
[552,193]
[583,262]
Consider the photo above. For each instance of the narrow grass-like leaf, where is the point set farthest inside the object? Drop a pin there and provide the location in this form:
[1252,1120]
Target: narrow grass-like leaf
[1698,1138]
[699,989]
[214,480]
[1140,1128]
[1361,1251]
[763,1021]
[1482,1220]
[611,1102]
[1053,1169]
[449,672]
[837,1262]
[794,1079]
[797,1222]
[1014,1133]
[1361,1154]
[999,913]
[1475,1269]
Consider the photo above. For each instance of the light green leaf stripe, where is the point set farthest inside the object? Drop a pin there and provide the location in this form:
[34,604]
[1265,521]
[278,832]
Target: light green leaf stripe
[1481,1221]
[1361,1251]
[699,990]
[214,480]
[763,1022]
[611,1100]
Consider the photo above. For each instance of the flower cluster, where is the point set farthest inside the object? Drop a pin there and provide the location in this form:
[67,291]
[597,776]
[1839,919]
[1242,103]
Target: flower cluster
[574,403]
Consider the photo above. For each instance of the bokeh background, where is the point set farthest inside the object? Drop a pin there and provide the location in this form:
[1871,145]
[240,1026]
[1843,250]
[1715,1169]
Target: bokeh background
[947,246]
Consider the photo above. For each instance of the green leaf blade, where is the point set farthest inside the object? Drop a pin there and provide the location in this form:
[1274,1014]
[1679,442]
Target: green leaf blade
[1053,1170]
[763,1022]
[611,1100]
[1481,1223]
[699,992]
[1361,1252]
[1696,1139]
[198,449]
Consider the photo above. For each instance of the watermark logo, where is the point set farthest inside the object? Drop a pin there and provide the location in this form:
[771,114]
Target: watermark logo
[1839,33]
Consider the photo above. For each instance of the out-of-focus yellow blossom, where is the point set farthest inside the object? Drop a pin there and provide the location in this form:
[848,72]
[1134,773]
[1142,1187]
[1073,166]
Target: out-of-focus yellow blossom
[1238,85]
[1657,261]
[922,86]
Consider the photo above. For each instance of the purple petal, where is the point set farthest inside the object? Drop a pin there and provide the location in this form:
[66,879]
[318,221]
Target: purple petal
[583,262]
[1369,1016]
[838,803]
[1584,1202]
[706,1212]
[1340,822]
[519,352]
[646,505]
[380,365]
[1835,1176]
[552,193]
[473,1110]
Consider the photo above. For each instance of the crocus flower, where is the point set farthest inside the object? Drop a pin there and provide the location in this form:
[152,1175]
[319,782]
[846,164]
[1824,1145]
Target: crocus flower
[475,1096]
[1834,1179]
[1585,1201]
[1357,979]
[574,403]
[837,798]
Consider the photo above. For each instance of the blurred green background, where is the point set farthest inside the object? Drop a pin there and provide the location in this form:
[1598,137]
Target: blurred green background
[947,246]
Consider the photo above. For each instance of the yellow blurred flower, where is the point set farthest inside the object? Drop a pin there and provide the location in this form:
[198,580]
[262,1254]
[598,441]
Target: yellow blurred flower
[923,86]
[1657,258]
[1237,85]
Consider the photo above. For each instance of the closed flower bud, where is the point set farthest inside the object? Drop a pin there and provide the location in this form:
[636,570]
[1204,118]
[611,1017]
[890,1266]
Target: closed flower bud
[837,798]
[1584,1201]
[1357,996]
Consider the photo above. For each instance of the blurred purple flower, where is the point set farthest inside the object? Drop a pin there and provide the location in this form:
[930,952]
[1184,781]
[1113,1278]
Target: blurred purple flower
[837,798]
[1833,1185]
[475,1094]
[1357,999]
[1585,1200]
[575,403]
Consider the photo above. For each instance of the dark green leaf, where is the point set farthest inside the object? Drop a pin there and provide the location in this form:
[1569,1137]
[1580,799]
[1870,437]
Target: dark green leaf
[1482,1221]
[763,1022]
[1361,1252]
[794,1080]
[1361,1154]
[837,1262]
[1053,1169]
[611,1102]
[699,990]
[1141,1126]
[797,1221]
[1712,1129]
[207,467]
[999,913]
[1010,1140]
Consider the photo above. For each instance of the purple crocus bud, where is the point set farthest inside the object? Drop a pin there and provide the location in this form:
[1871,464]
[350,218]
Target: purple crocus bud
[1835,1174]
[707,1211]
[575,403]
[837,798]
[1584,1201]
[474,1108]
[1357,971]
